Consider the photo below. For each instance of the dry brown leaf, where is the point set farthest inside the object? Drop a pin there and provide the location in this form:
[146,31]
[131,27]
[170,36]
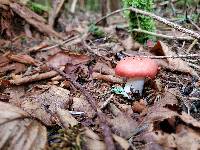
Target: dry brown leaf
[172,130]
[130,44]
[44,105]
[81,104]
[122,124]
[3,61]
[177,64]
[18,131]
[122,142]
[16,67]
[65,118]
[62,59]
[139,106]
[93,141]
[183,139]
[103,69]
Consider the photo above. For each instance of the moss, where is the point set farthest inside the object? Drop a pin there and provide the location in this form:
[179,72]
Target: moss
[96,31]
[38,8]
[139,21]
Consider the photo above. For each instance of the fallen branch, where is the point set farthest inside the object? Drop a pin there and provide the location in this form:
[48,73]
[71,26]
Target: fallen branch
[102,118]
[164,36]
[163,57]
[36,77]
[60,44]
[34,19]
[160,19]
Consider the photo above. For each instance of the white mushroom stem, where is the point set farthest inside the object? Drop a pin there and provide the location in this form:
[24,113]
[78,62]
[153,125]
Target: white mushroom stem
[135,85]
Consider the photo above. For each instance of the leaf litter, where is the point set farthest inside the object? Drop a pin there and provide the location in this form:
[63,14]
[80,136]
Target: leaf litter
[42,84]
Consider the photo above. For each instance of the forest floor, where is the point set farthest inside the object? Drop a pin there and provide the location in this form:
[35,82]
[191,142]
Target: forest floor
[61,91]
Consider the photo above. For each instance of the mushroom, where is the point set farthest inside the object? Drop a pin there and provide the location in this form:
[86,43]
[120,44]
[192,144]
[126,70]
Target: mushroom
[136,69]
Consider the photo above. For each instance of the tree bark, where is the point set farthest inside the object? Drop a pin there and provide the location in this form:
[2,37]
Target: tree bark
[104,10]
[114,5]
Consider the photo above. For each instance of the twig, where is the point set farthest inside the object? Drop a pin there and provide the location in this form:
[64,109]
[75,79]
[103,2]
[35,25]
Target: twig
[194,66]
[94,51]
[192,45]
[160,19]
[163,57]
[164,36]
[102,118]
[109,78]
[107,102]
[35,77]
[60,44]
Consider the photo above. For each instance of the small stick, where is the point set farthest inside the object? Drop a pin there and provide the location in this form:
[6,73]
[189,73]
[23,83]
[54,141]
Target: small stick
[35,77]
[107,102]
[164,36]
[163,57]
[158,18]
[192,45]
[57,45]
[109,78]
[102,118]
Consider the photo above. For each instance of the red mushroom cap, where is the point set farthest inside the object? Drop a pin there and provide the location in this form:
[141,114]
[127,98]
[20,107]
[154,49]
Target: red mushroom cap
[132,67]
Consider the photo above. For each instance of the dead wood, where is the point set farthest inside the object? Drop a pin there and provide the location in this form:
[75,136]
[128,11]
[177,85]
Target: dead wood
[34,19]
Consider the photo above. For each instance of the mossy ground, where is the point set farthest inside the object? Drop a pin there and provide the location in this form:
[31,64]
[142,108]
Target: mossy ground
[139,21]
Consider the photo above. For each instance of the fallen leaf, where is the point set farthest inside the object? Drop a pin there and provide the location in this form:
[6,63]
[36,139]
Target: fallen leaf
[16,67]
[19,131]
[3,61]
[93,141]
[122,124]
[177,64]
[122,142]
[130,44]
[44,105]
[81,104]
[103,69]
[65,118]
[139,107]
[62,59]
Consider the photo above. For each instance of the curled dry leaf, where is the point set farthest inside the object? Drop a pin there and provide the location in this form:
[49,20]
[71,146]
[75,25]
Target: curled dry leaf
[18,131]
[177,64]
[172,130]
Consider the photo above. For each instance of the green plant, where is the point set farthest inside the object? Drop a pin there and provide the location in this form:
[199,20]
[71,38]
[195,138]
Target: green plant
[96,31]
[38,8]
[139,21]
